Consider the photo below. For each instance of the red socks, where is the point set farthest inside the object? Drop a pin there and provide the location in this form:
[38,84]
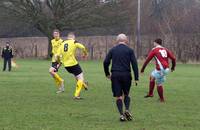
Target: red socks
[159,89]
[151,87]
[160,92]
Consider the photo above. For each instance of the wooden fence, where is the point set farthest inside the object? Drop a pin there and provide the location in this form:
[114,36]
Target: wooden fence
[185,47]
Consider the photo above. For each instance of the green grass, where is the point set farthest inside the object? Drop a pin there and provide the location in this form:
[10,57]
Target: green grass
[28,101]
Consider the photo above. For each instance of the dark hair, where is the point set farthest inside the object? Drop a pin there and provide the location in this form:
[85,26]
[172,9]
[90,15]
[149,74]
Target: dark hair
[56,30]
[158,41]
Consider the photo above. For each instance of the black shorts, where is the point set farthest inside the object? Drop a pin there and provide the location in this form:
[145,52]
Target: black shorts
[121,84]
[75,70]
[54,65]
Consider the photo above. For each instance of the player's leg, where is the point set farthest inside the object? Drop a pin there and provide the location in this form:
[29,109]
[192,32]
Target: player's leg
[85,84]
[126,88]
[79,85]
[119,104]
[117,93]
[127,101]
[159,81]
[60,83]
[151,84]
[78,73]
[160,92]
[9,64]
[52,73]
[4,64]
[58,80]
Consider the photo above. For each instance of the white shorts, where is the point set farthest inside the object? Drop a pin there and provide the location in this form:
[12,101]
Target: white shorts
[160,75]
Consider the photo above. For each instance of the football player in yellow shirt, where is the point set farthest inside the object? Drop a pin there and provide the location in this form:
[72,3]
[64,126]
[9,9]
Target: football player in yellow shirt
[56,43]
[67,54]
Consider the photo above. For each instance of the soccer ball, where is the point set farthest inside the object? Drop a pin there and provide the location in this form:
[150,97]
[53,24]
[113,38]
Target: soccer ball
[14,64]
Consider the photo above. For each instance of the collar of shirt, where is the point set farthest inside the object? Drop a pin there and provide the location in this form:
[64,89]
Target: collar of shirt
[70,39]
[122,43]
[158,46]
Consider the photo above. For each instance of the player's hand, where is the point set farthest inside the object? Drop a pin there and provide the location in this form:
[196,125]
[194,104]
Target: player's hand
[84,56]
[58,65]
[57,57]
[108,77]
[55,70]
[141,72]
[51,55]
[136,82]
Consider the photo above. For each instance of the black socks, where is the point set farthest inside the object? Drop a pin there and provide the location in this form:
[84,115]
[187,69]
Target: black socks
[120,106]
[127,102]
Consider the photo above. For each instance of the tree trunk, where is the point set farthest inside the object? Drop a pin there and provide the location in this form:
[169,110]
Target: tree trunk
[49,47]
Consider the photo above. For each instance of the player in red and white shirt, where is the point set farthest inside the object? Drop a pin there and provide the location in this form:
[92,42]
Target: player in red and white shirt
[161,56]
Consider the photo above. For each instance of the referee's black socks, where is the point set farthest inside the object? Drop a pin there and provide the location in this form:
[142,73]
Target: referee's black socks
[120,106]
[127,102]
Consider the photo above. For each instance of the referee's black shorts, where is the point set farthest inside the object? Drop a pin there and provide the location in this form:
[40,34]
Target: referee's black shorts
[54,65]
[75,70]
[121,83]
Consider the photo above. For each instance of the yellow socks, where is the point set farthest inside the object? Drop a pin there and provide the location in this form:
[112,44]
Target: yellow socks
[58,79]
[57,82]
[56,76]
[79,86]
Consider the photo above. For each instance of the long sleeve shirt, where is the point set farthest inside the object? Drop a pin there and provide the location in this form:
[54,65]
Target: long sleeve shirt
[122,58]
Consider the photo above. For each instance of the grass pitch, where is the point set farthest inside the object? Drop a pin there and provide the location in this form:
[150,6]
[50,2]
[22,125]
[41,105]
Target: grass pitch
[28,100]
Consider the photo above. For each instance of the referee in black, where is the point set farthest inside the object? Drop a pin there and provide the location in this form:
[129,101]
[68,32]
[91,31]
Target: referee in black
[7,55]
[122,58]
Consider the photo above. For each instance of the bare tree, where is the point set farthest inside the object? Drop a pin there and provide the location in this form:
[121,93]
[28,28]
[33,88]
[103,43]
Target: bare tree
[71,15]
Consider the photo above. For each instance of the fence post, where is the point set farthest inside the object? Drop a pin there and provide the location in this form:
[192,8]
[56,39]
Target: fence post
[91,47]
[106,44]
[36,51]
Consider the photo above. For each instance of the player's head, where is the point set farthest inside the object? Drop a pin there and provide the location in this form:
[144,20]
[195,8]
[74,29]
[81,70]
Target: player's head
[158,41]
[122,38]
[56,33]
[7,44]
[71,35]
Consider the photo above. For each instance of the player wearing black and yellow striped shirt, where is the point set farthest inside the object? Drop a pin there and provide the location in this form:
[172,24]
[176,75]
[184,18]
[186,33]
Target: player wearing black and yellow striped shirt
[67,55]
[56,43]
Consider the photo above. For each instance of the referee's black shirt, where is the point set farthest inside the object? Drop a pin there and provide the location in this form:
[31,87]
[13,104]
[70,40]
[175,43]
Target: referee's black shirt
[122,57]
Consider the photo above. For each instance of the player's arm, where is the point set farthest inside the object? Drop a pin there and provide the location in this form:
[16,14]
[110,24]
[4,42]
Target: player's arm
[82,47]
[2,55]
[58,60]
[106,64]
[58,56]
[172,57]
[52,49]
[11,53]
[59,64]
[134,66]
[148,59]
